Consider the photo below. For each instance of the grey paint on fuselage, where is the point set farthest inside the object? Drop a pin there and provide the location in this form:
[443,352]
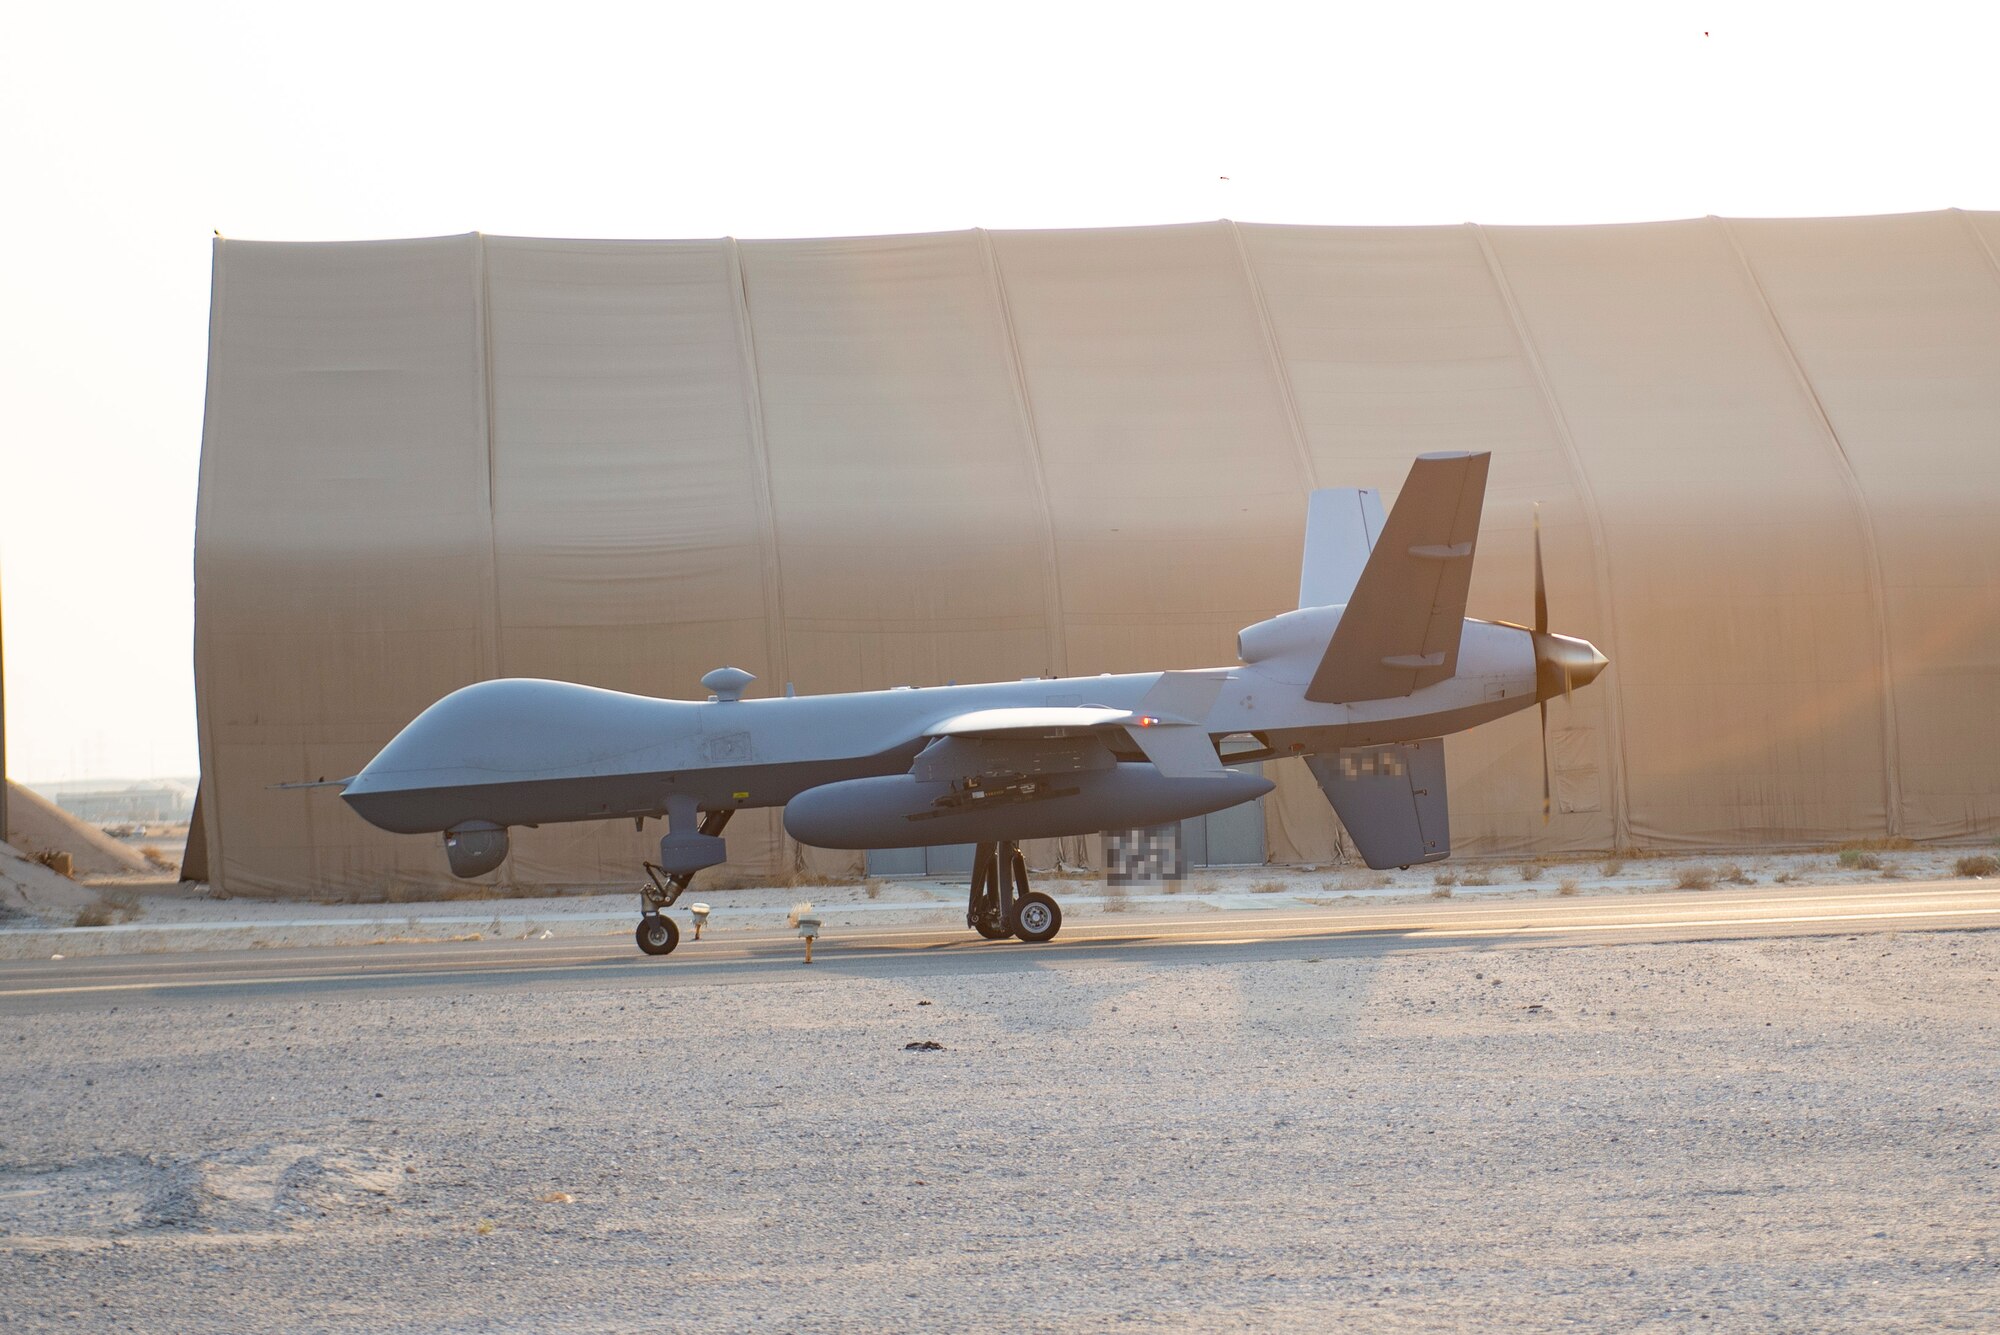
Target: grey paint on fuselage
[524,752]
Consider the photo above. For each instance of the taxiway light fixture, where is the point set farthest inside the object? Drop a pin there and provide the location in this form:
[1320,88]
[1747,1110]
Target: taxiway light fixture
[809,929]
[700,912]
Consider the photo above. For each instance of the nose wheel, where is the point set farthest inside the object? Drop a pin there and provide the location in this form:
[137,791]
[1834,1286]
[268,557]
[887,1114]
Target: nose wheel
[657,934]
[1001,904]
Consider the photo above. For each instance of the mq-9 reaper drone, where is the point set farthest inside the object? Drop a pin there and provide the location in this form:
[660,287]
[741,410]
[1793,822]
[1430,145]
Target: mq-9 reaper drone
[1362,681]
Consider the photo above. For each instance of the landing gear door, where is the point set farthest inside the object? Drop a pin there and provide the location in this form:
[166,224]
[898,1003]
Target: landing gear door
[1391,799]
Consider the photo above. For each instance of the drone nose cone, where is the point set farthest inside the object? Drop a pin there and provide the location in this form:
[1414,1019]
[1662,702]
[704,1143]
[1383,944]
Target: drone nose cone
[1563,663]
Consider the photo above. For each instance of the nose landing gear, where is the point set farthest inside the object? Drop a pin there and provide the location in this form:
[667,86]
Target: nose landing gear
[1001,904]
[658,934]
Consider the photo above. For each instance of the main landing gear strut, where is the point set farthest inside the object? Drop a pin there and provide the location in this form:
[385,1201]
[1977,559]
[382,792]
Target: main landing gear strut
[1001,904]
[658,934]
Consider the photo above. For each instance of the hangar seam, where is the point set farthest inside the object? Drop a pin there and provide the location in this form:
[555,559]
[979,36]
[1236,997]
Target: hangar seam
[203,506]
[484,406]
[1892,778]
[1024,407]
[1979,240]
[1614,713]
[760,456]
[1279,368]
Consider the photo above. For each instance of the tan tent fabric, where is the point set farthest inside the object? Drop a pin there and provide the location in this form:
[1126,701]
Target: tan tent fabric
[343,541]
[1766,453]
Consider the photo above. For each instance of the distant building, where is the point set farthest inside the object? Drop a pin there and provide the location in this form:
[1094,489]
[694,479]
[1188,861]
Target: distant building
[163,803]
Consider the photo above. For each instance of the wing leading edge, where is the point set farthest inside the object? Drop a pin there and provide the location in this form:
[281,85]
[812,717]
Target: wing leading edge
[1169,726]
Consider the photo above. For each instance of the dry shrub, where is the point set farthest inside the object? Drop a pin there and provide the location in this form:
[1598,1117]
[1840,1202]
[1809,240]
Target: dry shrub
[800,876]
[1532,871]
[1567,886]
[117,906]
[1445,878]
[1114,899]
[1475,878]
[1735,875]
[1268,888]
[1978,865]
[422,892]
[1610,866]
[1783,878]
[872,888]
[1442,892]
[1888,844]
[1856,859]
[1696,878]
[795,878]
[153,854]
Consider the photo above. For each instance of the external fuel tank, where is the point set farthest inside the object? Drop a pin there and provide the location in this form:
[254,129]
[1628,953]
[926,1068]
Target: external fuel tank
[901,811]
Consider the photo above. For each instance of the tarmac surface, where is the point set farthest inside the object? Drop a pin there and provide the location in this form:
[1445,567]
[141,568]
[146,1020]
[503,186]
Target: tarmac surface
[1770,1108]
[31,986]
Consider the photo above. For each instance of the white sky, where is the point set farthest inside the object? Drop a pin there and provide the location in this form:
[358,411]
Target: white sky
[129,132]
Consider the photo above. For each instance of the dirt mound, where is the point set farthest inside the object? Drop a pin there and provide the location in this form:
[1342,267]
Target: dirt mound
[37,825]
[28,888]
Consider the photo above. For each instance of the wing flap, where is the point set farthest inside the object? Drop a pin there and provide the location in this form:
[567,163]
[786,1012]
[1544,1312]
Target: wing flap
[1400,629]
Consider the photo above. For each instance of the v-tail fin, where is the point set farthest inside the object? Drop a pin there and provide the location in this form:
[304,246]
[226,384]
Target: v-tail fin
[1342,524]
[1401,627]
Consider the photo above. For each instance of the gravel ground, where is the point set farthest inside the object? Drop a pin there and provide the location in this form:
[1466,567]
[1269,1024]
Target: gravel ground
[1795,1134]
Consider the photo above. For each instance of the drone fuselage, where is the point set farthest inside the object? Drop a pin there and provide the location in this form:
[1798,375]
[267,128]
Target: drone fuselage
[518,751]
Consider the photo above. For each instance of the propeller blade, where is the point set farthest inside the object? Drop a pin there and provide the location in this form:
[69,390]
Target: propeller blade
[1541,588]
[1544,705]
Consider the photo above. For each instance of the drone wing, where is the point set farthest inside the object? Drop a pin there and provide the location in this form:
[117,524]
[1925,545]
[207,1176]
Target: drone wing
[1168,727]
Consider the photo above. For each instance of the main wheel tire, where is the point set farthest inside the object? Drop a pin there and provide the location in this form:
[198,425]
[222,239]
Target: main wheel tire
[1037,917]
[657,934]
[989,929]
